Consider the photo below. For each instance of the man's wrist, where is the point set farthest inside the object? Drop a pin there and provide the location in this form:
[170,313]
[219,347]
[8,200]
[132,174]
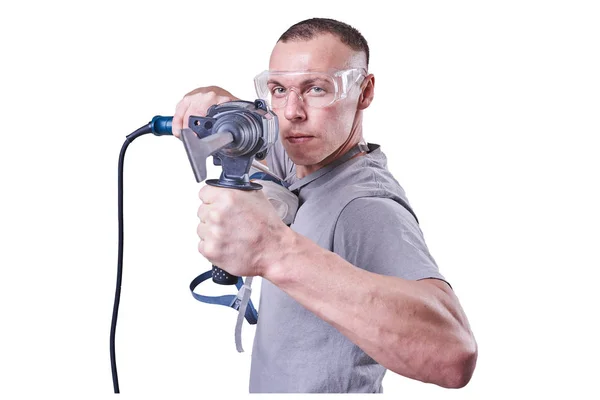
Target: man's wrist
[275,265]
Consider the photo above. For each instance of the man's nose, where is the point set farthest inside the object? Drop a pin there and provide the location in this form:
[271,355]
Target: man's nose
[294,107]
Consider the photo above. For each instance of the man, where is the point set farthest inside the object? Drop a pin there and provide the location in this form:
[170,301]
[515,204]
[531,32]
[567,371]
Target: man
[351,289]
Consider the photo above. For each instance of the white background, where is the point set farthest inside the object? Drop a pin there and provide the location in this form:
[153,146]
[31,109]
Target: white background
[488,113]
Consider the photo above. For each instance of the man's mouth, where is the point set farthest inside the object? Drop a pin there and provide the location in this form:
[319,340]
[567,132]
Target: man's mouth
[299,138]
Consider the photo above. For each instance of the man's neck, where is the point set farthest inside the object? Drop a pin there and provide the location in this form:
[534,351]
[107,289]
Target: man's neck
[305,170]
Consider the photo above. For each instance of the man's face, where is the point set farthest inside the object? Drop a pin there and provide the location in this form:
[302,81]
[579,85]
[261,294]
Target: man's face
[309,135]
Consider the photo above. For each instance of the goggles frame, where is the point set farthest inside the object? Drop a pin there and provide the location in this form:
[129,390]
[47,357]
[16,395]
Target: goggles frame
[343,81]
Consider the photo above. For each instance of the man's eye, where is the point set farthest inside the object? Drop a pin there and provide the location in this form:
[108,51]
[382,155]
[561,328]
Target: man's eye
[278,91]
[315,90]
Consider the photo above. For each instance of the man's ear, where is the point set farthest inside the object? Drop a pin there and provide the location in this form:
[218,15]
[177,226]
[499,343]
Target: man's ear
[367,92]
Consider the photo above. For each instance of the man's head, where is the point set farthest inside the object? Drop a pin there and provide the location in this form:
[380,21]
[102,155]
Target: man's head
[313,136]
[310,28]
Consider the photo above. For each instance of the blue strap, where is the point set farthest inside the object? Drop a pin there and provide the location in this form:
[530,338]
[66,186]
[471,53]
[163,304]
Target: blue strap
[229,300]
[266,177]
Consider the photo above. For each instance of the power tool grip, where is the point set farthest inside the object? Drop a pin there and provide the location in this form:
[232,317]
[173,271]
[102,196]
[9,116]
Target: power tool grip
[223,277]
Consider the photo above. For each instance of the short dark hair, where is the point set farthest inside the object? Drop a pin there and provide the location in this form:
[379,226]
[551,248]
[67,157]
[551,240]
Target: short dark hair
[308,29]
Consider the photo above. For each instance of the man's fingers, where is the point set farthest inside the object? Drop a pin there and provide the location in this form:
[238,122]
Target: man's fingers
[198,110]
[197,102]
[201,245]
[189,105]
[203,211]
[209,214]
[202,230]
[180,111]
[209,194]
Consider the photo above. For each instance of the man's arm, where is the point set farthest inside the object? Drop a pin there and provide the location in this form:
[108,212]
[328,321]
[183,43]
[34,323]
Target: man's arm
[415,328]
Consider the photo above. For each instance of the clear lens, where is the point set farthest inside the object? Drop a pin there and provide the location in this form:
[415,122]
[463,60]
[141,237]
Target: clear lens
[314,89]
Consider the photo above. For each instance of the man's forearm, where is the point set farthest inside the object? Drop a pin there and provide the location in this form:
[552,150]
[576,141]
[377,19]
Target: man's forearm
[414,328]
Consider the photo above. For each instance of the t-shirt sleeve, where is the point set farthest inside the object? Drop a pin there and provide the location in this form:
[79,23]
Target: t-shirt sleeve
[381,236]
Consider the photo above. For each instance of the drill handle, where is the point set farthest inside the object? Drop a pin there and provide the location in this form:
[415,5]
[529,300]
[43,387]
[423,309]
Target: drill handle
[223,277]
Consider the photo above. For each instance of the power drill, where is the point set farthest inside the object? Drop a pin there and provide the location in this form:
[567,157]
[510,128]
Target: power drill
[234,133]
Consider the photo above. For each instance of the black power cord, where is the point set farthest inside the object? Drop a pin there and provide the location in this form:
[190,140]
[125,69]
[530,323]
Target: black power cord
[113,327]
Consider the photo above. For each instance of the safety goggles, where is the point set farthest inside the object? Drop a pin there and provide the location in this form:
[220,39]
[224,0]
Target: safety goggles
[316,89]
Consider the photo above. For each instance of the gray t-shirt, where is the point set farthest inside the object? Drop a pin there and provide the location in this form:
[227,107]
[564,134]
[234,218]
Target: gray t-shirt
[356,211]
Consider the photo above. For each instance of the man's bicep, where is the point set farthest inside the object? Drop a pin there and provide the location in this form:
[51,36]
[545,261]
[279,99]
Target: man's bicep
[381,236]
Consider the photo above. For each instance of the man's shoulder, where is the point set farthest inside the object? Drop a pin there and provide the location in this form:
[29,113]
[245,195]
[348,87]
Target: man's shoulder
[372,212]
[370,170]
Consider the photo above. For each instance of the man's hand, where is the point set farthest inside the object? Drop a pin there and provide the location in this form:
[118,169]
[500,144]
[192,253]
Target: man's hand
[240,231]
[197,102]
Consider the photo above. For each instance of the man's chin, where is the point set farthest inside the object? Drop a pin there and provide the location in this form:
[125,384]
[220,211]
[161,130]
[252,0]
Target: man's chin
[303,159]
[304,155]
